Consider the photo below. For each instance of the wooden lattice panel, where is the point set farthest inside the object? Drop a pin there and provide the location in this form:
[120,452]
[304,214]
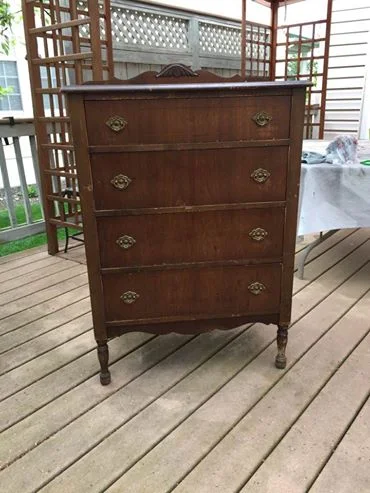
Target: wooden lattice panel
[68,42]
[139,28]
[302,54]
[225,41]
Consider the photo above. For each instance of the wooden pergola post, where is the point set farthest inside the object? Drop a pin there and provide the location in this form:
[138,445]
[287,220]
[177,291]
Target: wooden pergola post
[274,23]
[244,41]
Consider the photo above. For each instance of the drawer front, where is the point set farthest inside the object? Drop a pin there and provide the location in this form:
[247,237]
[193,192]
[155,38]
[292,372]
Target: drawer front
[191,237]
[168,179]
[173,120]
[213,292]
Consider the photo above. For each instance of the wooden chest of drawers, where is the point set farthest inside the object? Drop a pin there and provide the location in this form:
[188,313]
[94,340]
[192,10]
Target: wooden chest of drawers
[189,195]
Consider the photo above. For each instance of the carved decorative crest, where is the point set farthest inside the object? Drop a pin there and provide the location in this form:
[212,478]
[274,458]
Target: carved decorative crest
[116,123]
[260,175]
[125,242]
[256,288]
[129,297]
[176,70]
[121,182]
[258,234]
[262,118]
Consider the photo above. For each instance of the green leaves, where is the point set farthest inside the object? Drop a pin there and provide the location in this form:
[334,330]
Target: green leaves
[7,18]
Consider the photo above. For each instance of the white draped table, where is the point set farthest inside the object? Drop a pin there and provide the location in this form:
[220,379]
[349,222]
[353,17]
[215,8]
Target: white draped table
[333,196]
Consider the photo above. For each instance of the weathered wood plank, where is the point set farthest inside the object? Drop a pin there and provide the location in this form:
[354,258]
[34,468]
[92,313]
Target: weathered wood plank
[18,320]
[58,382]
[181,450]
[196,387]
[306,447]
[256,434]
[71,270]
[330,258]
[54,320]
[141,392]
[29,267]
[33,276]
[348,469]
[45,342]
[67,281]
[28,373]
[25,253]
[13,263]
[317,273]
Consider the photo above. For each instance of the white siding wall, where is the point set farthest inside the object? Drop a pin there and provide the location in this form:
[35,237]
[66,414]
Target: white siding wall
[349,48]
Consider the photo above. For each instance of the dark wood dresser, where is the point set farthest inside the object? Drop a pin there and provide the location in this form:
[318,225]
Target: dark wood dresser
[189,196]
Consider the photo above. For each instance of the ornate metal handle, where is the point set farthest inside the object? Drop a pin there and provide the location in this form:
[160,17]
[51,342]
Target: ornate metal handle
[125,242]
[129,297]
[260,175]
[258,234]
[256,288]
[262,118]
[116,123]
[121,182]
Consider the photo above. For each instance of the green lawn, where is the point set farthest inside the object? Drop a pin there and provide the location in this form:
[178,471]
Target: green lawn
[20,214]
[30,241]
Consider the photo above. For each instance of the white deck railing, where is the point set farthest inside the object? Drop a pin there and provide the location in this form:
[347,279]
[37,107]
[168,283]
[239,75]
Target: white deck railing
[18,170]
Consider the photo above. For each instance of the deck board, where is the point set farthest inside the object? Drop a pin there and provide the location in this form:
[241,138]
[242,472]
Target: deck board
[184,413]
[348,468]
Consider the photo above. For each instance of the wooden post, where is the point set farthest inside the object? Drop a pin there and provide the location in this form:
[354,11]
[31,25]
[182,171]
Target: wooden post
[274,24]
[109,39]
[43,154]
[244,41]
[325,69]
[97,70]
[194,43]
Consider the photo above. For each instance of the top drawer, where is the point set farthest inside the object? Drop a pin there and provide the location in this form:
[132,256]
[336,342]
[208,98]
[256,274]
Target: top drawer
[184,120]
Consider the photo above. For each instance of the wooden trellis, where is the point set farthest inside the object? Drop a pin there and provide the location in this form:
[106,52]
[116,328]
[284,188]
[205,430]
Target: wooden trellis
[68,41]
[302,52]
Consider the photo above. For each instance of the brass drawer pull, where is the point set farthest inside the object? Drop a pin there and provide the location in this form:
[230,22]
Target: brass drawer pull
[262,118]
[258,234]
[260,175]
[121,182]
[129,297]
[116,123]
[256,288]
[125,242]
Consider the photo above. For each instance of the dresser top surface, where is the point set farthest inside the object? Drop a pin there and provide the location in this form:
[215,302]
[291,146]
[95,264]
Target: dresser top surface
[179,87]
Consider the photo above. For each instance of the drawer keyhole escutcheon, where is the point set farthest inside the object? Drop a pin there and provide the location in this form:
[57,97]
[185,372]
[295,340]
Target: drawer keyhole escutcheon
[262,118]
[125,242]
[256,288]
[129,297]
[121,182]
[258,234]
[260,175]
[116,123]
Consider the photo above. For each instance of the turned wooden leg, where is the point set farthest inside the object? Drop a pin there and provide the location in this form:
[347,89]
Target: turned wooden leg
[282,339]
[103,356]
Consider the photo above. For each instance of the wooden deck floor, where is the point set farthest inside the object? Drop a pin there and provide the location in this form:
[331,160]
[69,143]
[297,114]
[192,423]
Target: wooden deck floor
[184,414]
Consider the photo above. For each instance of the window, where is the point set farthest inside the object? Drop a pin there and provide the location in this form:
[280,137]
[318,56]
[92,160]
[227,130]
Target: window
[9,79]
[48,80]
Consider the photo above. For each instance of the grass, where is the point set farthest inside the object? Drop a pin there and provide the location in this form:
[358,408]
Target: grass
[20,214]
[30,241]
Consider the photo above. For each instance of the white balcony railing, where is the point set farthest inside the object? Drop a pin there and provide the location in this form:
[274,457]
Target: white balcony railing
[20,191]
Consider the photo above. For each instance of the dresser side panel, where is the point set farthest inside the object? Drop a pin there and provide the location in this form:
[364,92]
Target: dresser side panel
[293,183]
[80,138]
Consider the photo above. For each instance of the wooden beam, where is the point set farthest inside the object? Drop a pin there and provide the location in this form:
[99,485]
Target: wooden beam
[244,40]
[325,69]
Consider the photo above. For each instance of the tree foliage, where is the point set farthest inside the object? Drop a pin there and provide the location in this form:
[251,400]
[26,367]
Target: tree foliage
[7,18]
